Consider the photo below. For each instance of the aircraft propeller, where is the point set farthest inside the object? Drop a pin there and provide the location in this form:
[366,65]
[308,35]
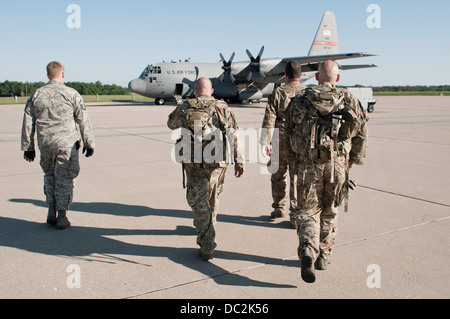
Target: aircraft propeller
[255,66]
[226,68]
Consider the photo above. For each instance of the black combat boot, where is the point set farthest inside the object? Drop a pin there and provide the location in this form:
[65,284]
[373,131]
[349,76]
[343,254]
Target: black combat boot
[51,216]
[62,222]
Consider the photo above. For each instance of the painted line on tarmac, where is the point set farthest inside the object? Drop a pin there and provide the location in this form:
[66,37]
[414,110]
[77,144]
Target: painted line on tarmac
[405,196]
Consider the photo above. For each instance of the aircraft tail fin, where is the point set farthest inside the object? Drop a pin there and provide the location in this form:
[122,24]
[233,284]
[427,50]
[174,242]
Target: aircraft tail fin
[326,40]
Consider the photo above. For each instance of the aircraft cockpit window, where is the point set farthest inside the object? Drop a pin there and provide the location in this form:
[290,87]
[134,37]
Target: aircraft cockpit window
[146,71]
[156,70]
[152,79]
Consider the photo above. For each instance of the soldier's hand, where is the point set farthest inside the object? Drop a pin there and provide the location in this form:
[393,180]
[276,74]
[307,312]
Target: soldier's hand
[238,170]
[89,151]
[29,155]
[266,151]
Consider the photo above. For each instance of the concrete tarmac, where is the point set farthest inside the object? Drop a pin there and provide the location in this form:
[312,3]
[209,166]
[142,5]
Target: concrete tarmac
[132,234]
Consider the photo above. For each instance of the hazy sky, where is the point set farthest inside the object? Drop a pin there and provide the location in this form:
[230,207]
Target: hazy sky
[117,39]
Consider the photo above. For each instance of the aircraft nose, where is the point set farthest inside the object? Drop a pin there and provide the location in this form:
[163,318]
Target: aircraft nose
[137,86]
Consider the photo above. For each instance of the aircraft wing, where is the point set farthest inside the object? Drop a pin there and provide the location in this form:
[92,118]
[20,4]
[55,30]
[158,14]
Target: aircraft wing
[311,63]
[321,58]
[359,66]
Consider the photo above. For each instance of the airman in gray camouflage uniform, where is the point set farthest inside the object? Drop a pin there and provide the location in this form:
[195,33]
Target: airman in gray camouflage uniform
[205,180]
[58,116]
[275,118]
[323,182]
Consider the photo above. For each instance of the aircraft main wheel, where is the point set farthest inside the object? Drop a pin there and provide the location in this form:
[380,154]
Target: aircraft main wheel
[370,108]
[160,101]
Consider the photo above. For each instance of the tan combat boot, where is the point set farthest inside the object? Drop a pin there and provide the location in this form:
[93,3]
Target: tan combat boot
[307,261]
[277,213]
[294,224]
[322,263]
[206,255]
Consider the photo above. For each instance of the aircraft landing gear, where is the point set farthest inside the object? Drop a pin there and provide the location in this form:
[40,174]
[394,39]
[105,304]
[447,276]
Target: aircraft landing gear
[159,101]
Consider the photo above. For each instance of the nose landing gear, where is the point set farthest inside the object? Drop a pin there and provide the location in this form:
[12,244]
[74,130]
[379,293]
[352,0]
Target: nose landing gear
[160,101]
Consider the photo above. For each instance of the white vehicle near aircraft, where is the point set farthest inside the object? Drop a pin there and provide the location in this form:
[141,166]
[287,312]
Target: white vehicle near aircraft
[365,96]
[241,81]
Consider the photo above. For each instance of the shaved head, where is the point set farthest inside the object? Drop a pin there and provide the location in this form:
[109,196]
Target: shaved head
[328,72]
[203,87]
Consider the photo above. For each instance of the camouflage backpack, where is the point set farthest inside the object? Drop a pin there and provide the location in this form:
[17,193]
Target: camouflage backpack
[315,120]
[322,123]
[204,124]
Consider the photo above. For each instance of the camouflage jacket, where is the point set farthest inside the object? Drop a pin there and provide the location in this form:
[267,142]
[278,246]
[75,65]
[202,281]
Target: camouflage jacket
[274,116]
[355,132]
[223,118]
[58,115]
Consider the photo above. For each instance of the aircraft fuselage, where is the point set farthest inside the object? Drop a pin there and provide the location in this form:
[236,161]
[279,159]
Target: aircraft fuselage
[239,81]
[165,81]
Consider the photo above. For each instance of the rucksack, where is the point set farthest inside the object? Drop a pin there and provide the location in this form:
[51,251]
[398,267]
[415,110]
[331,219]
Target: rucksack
[315,117]
[320,124]
[204,124]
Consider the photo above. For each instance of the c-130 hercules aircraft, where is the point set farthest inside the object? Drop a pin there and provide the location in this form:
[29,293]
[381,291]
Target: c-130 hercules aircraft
[241,81]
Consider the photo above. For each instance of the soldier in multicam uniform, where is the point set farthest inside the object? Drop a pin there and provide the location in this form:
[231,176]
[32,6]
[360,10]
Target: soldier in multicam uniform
[323,170]
[55,112]
[205,180]
[275,118]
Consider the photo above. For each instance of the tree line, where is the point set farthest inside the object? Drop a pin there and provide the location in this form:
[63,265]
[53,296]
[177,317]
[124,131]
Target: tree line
[412,88]
[11,88]
[402,88]
[409,88]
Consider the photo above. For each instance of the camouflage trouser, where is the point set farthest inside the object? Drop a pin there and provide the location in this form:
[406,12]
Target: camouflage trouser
[278,181]
[317,212]
[204,187]
[60,168]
